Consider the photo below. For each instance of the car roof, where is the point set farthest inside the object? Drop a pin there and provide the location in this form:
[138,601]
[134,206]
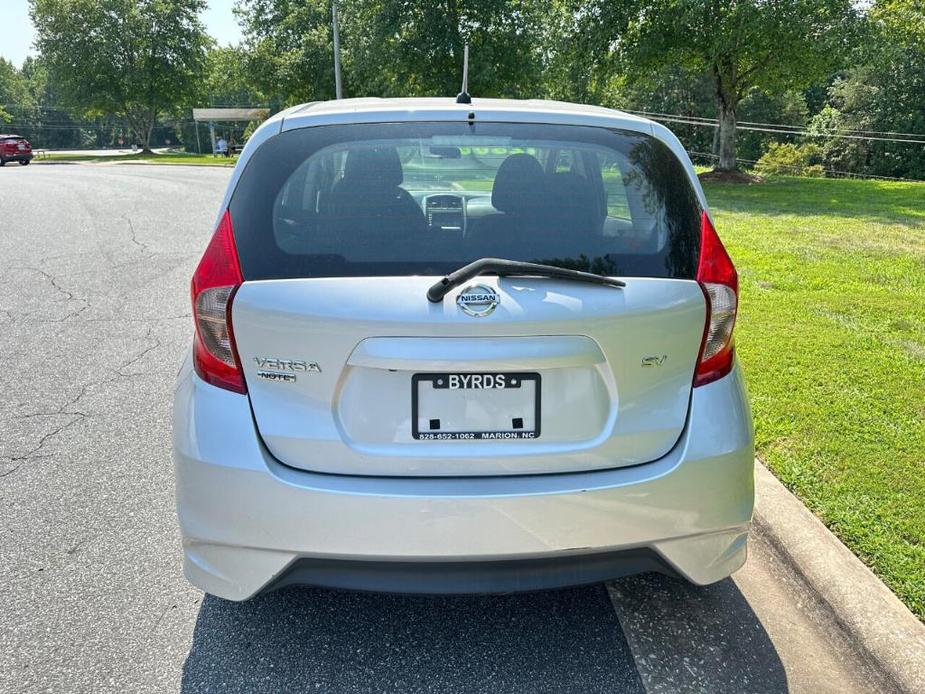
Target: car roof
[375,110]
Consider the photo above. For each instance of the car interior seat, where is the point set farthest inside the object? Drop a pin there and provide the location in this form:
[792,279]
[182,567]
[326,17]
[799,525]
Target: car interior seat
[369,200]
[520,196]
[575,204]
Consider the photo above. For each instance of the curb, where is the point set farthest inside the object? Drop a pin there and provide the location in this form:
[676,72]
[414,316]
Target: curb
[874,619]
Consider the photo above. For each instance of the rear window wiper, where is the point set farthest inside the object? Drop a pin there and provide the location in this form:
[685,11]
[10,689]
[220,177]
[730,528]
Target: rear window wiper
[504,268]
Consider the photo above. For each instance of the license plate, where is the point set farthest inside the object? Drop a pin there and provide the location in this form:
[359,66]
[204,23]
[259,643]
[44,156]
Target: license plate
[475,406]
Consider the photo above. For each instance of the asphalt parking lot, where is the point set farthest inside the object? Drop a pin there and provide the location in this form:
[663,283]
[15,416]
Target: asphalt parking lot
[95,263]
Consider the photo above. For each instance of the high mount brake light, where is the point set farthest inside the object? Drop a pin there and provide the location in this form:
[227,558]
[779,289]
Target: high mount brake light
[720,284]
[214,284]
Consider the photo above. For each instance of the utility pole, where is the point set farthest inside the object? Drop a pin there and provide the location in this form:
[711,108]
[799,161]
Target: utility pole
[338,91]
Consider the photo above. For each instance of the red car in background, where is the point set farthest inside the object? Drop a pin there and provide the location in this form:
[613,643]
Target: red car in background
[15,148]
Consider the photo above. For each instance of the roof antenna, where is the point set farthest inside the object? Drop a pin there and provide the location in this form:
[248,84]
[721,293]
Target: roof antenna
[463,96]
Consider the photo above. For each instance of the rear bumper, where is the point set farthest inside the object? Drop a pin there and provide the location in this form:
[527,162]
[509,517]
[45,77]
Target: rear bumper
[251,524]
[486,576]
[18,156]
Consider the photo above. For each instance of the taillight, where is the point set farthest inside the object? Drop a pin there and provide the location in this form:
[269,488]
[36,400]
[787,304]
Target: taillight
[720,284]
[214,284]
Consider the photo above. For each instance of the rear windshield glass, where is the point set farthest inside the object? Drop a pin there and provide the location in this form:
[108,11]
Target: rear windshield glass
[427,198]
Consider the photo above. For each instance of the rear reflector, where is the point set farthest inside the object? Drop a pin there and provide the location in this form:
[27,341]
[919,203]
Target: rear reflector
[215,281]
[720,284]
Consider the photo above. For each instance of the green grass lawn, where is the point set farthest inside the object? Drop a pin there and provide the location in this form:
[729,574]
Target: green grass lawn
[158,158]
[831,333]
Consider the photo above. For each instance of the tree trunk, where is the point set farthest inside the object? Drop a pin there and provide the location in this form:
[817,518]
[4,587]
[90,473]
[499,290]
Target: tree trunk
[728,92]
[726,136]
[136,129]
[142,126]
[149,129]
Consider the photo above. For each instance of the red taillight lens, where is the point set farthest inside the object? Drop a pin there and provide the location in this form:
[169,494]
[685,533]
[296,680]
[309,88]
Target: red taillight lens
[720,283]
[215,281]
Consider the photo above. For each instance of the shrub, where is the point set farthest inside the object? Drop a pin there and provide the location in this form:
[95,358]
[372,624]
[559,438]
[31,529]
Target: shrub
[788,159]
[814,171]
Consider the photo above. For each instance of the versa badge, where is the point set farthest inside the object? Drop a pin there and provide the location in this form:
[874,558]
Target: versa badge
[284,370]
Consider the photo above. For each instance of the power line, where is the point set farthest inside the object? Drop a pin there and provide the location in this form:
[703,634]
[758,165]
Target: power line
[773,125]
[843,130]
[778,129]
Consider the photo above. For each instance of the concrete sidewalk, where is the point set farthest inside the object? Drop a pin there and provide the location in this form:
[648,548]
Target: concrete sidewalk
[803,615]
[760,631]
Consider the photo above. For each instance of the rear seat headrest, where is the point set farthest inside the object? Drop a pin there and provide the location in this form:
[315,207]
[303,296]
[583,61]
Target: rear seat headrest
[519,184]
[375,167]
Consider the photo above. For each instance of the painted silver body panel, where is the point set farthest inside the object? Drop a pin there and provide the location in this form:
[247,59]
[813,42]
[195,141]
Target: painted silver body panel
[245,517]
[601,407]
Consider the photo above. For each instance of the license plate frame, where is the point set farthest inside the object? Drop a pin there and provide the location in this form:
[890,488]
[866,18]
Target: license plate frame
[510,377]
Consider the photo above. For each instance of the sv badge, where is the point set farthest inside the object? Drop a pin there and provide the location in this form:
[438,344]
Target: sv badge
[651,362]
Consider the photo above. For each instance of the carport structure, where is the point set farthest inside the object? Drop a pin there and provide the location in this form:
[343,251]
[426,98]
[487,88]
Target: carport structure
[226,115]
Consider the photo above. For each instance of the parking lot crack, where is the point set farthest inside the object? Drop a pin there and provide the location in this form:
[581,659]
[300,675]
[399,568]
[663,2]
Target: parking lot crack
[78,417]
[160,618]
[138,357]
[141,244]
[65,408]
[64,291]
[72,314]
[69,295]
[9,472]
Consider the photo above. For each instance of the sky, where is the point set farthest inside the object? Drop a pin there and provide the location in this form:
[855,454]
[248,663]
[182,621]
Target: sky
[17,37]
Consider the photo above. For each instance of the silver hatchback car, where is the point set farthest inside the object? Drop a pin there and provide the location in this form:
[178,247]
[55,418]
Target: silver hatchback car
[450,347]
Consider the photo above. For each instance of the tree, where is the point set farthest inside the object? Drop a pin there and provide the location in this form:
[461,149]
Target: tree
[45,122]
[134,58]
[225,83]
[408,48]
[884,90]
[394,47]
[14,92]
[743,45]
[289,47]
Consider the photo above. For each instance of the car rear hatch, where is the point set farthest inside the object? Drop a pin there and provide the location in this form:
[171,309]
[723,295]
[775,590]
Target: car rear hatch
[15,146]
[351,369]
